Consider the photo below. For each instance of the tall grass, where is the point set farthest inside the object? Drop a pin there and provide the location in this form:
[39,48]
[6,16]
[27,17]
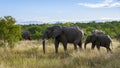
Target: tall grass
[29,54]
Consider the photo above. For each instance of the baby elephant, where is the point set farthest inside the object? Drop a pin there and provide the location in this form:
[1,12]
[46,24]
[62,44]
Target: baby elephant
[99,40]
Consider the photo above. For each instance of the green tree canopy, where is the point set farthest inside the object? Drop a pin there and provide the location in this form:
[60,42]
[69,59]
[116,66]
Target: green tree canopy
[111,28]
[9,31]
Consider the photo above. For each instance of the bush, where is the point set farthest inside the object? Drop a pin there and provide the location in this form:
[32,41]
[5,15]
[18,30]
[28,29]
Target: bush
[9,31]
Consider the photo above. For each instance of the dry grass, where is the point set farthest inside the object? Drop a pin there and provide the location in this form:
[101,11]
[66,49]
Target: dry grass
[29,54]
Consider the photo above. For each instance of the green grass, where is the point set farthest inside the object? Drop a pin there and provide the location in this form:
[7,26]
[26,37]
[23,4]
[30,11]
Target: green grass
[29,54]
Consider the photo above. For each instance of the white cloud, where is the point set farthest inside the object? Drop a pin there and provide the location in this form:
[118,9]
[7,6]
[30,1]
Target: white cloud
[108,18]
[105,3]
[108,1]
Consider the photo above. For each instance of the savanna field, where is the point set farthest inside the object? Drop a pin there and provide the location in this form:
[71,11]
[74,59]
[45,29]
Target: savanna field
[29,54]
[38,33]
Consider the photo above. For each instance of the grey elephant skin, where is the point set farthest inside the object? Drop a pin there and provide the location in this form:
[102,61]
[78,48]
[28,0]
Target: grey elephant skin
[99,40]
[64,35]
[26,35]
[96,32]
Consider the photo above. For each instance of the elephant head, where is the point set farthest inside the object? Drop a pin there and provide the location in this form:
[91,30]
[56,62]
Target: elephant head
[48,33]
[90,39]
[51,32]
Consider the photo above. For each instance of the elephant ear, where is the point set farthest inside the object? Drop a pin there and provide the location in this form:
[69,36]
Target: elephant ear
[93,37]
[57,31]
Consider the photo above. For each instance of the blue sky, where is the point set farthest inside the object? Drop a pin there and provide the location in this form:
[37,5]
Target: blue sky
[61,10]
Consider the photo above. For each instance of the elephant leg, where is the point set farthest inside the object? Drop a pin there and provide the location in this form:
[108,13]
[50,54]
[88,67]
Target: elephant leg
[93,46]
[75,46]
[65,46]
[56,46]
[80,44]
[98,47]
[77,42]
[108,50]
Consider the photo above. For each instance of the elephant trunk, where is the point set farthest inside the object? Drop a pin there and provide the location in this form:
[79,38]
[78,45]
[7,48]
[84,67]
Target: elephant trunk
[43,42]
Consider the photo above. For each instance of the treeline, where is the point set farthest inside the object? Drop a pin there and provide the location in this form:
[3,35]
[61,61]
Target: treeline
[11,32]
[111,28]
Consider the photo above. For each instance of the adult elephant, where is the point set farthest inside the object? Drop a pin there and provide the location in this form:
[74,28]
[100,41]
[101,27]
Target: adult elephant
[99,40]
[64,35]
[26,35]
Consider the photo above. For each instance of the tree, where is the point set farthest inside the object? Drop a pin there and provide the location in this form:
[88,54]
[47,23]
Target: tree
[35,32]
[9,31]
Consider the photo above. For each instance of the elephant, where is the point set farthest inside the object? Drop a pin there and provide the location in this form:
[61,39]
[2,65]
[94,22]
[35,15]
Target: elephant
[26,35]
[63,34]
[97,32]
[99,40]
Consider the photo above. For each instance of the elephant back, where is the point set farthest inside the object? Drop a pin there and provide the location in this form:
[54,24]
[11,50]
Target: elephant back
[97,32]
[26,35]
[73,32]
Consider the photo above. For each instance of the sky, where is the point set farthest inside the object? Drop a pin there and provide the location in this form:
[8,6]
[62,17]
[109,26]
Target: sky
[60,10]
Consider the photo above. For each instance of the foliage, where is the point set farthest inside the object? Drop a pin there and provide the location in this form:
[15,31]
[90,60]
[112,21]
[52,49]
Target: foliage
[110,28]
[9,31]
[35,29]
[118,36]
